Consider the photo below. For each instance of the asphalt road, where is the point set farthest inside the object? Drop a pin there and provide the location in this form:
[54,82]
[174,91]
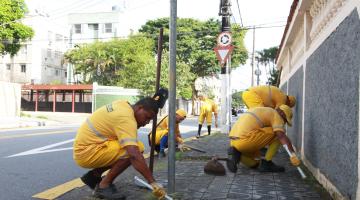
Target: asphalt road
[33,160]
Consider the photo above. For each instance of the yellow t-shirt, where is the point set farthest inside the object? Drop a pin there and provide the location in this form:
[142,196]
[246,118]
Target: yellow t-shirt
[208,106]
[272,96]
[256,119]
[115,121]
[163,129]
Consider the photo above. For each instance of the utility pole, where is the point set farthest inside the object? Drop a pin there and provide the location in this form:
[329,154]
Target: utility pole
[172,96]
[253,58]
[257,73]
[225,117]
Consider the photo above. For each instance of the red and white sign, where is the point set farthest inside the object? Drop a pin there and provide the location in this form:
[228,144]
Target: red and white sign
[224,39]
[223,53]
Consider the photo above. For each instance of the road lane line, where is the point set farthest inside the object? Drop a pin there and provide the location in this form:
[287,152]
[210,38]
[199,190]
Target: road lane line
[44,149]
[35,134]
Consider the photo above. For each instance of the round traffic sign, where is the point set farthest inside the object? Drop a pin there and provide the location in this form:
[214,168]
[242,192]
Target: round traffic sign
[224,39]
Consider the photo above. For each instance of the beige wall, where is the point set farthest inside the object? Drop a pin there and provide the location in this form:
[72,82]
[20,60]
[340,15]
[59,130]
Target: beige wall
[10,99]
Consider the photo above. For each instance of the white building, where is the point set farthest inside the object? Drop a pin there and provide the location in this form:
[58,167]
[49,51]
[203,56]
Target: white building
[39,60]
[97,26]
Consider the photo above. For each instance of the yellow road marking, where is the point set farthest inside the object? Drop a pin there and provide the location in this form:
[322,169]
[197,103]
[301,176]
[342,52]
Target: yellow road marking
[55,192]
[34,134]
[59,190]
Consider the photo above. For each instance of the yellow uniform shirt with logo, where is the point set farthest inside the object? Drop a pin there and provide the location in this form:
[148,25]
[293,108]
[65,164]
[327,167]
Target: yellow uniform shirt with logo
[163,129]
[207,108]
[255,129]
[264,96]
[100,141]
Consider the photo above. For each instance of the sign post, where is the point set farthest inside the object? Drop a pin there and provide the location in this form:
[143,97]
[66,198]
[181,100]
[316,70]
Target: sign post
[223,52]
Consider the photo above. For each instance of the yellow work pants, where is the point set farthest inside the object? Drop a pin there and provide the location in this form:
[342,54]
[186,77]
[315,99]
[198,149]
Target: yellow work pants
[250,145]
[208,116]
[104,154]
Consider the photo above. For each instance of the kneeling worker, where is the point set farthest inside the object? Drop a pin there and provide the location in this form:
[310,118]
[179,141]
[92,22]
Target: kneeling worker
[162,130]
[266,96]
[256,129]
[108,140]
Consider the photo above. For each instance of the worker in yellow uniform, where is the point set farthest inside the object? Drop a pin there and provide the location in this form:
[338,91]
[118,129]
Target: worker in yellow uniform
[266,96]
[162,130]
[108,141]
[254,130]
[207,107]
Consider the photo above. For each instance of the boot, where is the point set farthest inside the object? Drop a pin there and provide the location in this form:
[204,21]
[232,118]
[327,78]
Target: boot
[269,166]
[90,179]
[162,154]
[107,193]
[209,129]
[233,159]
[199,131]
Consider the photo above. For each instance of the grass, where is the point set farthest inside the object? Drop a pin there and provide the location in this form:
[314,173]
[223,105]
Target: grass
[22,114]
[41,117]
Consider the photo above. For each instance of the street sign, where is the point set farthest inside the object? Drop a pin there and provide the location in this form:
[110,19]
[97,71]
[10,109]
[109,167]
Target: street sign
[224,39]
[223,53]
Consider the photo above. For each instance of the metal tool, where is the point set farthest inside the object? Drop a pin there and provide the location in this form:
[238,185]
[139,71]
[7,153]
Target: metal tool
[298,168]
[142,183]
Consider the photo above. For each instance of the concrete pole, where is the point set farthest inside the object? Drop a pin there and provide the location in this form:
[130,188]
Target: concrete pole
[253,59]
[172,96]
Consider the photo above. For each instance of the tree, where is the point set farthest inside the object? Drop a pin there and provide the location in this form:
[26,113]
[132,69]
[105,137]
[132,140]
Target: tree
[195,42]
[128,63]
[267,57]
[12,31]
[237,99]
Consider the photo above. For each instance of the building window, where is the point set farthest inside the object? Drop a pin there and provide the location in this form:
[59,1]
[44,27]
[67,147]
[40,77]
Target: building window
[8,66]
[56,72]
[77,28]
[24,50]
[65,73]
[48,53]
[57,54]
[58,38]
[108,28]
[23,68]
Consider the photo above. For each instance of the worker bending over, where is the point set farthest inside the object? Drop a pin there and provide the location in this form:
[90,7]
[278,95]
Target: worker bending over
[108,140]
[162,130]
[266,96]
[207,107]
[254,130]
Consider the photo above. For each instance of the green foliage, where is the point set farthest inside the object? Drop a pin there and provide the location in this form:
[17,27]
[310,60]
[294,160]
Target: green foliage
[237,99]
[267,57]
[12,32]
[195,42]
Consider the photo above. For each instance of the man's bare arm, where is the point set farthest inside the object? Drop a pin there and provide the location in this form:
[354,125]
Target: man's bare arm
[138,162]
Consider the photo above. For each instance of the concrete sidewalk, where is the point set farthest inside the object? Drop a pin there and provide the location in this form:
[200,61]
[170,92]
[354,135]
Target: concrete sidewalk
[193,183]
[37,119]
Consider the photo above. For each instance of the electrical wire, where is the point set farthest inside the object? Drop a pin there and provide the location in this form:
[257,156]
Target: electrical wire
[241,22]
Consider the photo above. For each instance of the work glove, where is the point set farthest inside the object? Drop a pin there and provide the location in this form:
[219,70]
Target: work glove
[158,190]
[294,160]
[183,148]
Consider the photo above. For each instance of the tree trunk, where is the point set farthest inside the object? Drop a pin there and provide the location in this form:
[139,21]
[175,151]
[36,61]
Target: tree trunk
[193,96]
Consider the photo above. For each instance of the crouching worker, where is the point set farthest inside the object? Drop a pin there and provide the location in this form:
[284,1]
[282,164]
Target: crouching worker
[162,130]
[256,129]
[266,96]
[108,141]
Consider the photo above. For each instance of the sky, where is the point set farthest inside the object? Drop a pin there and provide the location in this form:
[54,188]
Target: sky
[264,13]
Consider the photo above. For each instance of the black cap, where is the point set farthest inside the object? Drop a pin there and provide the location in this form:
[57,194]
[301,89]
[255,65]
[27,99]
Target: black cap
[161,96]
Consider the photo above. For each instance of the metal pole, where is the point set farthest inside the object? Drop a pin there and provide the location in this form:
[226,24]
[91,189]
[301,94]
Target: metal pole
[253,59]
[172,96]
[157,86]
